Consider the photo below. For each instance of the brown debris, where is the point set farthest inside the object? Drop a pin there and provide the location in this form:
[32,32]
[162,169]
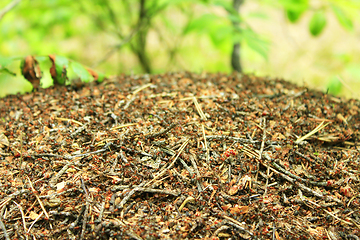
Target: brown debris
[180,156]
[31,71]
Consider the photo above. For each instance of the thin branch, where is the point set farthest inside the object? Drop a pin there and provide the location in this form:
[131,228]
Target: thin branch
[8,8]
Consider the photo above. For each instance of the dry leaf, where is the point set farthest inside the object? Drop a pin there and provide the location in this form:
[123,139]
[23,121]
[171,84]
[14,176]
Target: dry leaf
[31,71]
[3,140]
[33,215]
[60,187]
[239,209]
[234,189]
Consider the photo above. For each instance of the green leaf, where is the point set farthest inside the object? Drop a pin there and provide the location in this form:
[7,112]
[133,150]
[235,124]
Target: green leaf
[7,71]
[295,5]
[235,18]
[293,16]
[101,77]
[45,65]
[61,64]
[317,23]
[219,34]
[254,41]
[334,86]
[294,8]
[226,5]
[6,60]
[81,72]
[343,19]
[203,23]
[12,84]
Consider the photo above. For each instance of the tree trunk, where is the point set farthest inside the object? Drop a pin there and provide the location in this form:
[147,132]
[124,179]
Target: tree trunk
[235,55]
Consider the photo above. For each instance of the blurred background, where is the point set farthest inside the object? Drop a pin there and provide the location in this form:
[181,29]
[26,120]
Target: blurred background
[309,42]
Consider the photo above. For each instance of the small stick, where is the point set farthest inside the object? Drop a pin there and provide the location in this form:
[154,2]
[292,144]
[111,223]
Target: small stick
[323,184]
[112,170]
[222,137]
[37,197]
[317,129]
[142,88]
[154,135]
[133,97]
[153,190]
[73,224]
[128,196]
[102,211]
[8,198]
[198,182]
[188,199]
[206,147]
[222,228]
[263,139]
[55,178]
[22,215]
[69,120]
[237,224]
[3,228]
[85,219]
[86,212]
[71,235]
[198,108]
[32,224]
[123,126]
[171,164]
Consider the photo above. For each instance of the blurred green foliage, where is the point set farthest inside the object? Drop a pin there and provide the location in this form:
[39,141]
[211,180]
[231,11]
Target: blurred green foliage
[100,33]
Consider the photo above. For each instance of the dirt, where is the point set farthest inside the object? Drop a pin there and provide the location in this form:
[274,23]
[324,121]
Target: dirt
[179,156]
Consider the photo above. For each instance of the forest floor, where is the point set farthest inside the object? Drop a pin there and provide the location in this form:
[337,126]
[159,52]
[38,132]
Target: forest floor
[179,156]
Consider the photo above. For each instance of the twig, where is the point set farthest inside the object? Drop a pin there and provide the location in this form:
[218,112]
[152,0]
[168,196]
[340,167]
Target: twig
[317,129]
[118,223]
[117,47]
[70,120]
[86,209]
[22,215]
[8,7]
[236,223]
[32,224]
[112,170]
[52,155]
[188,199]
[263,139]
[55,178]
[79,130]
[8,198]
[85,219]
[198,182]
[317,205]
[133,97]
[101,211]
[206,147]
[128,196]
[154,135]
[37,197]
[171,164]
[123,126]
[222,228]
[222,137]
[198,108]
[73,224]
[3,228]
[323,184]
[161,191]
